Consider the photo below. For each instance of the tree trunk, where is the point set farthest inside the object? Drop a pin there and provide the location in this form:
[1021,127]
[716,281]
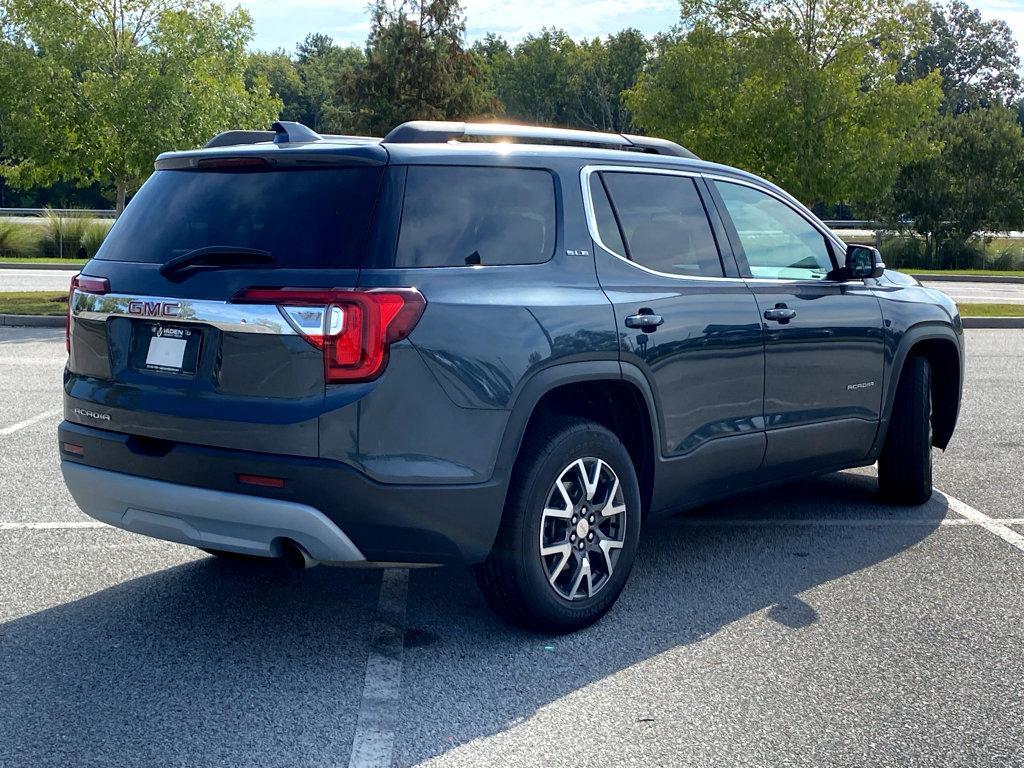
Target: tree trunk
[122,194]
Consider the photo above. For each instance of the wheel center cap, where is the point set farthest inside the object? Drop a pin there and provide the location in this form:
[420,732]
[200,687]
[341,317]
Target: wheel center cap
[582,528]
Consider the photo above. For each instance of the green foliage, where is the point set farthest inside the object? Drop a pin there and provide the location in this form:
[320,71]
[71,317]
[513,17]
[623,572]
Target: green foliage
[977,59]
[103,86]
[417,67]
[807,95]
[18,238]
[972,185]
[62,233]
[93,235]
[551,79]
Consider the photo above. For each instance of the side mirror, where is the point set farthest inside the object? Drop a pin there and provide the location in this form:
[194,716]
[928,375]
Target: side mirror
[863,262]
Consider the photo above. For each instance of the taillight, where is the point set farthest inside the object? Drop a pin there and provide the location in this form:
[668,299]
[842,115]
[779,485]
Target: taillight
[353,327]
[86,285]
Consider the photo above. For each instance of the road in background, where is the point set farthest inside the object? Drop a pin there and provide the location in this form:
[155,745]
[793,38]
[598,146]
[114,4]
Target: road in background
[806,625]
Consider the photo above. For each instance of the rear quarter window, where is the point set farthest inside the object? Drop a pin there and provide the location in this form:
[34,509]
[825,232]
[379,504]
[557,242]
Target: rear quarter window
[455,216]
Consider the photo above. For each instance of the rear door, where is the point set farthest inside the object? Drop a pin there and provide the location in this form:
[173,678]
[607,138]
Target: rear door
[687,321]
[823,339]
[177,355]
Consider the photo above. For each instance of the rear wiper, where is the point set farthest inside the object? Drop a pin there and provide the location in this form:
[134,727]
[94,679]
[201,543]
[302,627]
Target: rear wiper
[216,256]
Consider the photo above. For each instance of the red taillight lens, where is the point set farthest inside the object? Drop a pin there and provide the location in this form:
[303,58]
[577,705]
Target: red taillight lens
[87,285]
[353,327]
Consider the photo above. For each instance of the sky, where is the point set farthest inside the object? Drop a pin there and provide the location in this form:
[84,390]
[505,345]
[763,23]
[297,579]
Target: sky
[283,23]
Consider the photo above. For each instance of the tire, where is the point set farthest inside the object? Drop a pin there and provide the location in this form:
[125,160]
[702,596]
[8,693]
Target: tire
[905,464]
[556,592]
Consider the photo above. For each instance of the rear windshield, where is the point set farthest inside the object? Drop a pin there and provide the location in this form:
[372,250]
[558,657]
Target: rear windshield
[455,216]
[305,218]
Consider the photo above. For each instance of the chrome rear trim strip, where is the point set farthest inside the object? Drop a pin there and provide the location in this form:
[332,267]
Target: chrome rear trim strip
[243,318]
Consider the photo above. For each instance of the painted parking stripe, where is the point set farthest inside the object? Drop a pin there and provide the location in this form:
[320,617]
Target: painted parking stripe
[29,422]
[42,525]
[997,527]
[374,740]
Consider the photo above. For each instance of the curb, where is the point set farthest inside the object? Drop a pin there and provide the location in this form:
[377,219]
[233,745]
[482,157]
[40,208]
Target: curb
[993,322]
[37,266]
[33,321]
[968,278]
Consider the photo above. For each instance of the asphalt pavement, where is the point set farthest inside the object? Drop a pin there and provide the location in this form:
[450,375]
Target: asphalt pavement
[809,625]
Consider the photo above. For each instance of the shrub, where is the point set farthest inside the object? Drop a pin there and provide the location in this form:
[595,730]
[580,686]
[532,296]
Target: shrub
[18,238]
[93,236]
[63,233]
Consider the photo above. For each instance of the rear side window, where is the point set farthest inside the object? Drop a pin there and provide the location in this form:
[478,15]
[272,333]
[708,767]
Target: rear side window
[304,218]
[664,223]
[607,227]
[455,216]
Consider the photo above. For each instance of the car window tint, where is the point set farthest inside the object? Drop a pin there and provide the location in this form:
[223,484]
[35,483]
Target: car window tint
[778,241]
[305,218]
[664,222]
[455,216]
[607,227]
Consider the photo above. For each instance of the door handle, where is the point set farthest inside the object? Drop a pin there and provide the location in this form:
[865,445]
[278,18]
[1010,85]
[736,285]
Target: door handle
[646,321]
[780,313]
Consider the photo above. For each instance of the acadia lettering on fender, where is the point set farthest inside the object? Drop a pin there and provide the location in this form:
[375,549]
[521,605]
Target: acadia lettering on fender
[860,386]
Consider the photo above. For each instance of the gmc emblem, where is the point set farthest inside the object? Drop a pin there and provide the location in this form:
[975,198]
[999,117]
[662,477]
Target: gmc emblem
[151,309]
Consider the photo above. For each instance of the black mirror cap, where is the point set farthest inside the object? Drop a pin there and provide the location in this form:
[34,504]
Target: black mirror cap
[863,262]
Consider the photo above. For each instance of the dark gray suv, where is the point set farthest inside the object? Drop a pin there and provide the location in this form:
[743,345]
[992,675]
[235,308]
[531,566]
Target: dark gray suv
[497,345]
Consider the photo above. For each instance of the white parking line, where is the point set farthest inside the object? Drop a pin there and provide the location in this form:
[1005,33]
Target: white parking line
[996,526]
[16,526]
[374,740]
[29,422]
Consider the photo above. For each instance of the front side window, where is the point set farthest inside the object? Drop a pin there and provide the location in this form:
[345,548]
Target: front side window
[778,242]
[664,224]
[454,216]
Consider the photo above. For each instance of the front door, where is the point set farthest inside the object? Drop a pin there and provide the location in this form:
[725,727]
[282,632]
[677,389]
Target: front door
[823,338]
[689,327]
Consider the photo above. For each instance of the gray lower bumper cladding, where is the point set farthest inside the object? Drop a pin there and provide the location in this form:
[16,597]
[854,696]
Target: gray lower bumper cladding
[206,517]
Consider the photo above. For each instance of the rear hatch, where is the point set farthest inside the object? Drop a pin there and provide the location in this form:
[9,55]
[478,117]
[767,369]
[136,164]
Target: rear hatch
[200,320]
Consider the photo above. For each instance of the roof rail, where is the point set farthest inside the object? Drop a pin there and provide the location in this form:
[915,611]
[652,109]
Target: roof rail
[434,131]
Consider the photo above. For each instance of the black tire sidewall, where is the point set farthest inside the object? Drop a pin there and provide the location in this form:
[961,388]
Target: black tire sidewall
[576,442]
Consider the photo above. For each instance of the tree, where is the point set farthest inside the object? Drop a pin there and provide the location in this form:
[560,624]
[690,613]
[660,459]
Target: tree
[972,185]
[803,92]
[327,72]
[417,67]
[601,73]
[282,76]
[106,85]
[977,59]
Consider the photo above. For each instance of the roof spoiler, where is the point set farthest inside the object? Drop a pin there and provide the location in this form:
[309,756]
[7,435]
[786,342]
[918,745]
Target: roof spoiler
[435,131]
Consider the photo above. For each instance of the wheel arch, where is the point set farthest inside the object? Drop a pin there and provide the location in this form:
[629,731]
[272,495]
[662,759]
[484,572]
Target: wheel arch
[618,397]
[942,347]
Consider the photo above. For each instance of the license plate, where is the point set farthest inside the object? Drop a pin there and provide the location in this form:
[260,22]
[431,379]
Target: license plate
[167,349]
[166,352]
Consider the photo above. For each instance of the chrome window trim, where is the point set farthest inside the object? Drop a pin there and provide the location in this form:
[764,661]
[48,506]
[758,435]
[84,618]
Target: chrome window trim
[239,318]
[588,205]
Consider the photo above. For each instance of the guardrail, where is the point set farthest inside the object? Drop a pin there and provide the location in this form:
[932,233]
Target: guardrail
[95,213]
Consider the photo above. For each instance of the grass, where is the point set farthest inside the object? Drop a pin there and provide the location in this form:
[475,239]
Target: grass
[33,303]
[915,271]
[976,310]
[40,260]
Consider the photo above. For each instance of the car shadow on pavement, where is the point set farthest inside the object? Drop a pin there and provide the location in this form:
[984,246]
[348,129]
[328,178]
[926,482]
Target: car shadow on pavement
[218,664]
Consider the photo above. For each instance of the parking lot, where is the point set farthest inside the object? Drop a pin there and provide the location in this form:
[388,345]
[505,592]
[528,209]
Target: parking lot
[806,625]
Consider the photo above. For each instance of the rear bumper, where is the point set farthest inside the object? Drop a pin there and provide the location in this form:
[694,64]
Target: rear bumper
[412,523]
[205,517]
